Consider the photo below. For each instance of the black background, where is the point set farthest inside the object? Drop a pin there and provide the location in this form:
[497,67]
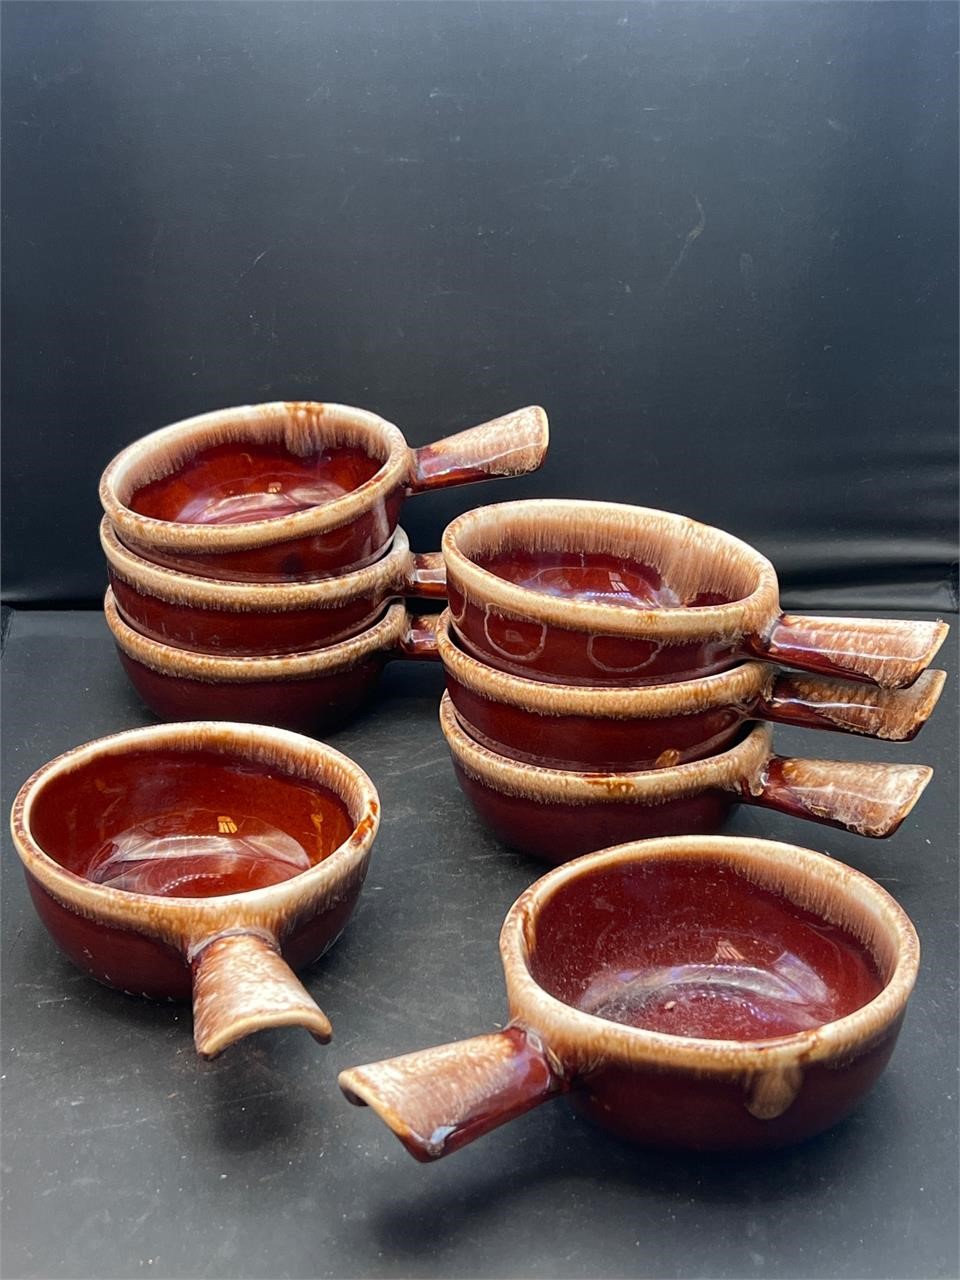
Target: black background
[717,242]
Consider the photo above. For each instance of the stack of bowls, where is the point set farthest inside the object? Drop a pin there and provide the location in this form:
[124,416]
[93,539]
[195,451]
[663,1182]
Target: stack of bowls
[257,571]
[610,670]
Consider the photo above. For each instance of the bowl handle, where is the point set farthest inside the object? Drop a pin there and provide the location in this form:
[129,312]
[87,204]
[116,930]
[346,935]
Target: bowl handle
[889,652]
[241,984]
[507,446]
[848,706]
[419,638]
[438,1100]
[868,799]
[425,577]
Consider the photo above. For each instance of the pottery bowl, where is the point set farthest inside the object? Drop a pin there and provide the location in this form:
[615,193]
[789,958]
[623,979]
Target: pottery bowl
[598,593]
[284,491]
[558,814]
[204,860]
[248,619]
[696,992]
[313,692]
[652,726]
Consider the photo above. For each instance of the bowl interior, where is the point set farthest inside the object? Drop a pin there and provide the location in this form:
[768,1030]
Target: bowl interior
[186,823]
[695,947]
[638,560]
[243,480]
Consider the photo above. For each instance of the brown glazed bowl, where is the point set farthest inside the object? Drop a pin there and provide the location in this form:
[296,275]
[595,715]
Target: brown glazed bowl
[653,726]
[598,593]
[241,800]
[749,994]
[312,692]
[249,619]
[557,814]
[275,492]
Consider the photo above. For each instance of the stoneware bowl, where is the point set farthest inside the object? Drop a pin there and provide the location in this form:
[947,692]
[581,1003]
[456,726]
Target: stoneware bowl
[558,814]
[652,726]
[248,619]
[204,861]
[705,992]
[598,593]
[275,492]
[312,692]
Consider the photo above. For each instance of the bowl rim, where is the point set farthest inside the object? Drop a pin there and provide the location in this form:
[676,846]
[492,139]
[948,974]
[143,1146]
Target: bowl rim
[191,590]
[289,419]
[185,664]
[737,618]
[579,1037]
[721,771]
[730,688]
[171,919]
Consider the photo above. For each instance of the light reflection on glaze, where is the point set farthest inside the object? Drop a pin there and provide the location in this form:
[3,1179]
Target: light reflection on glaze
[236,483]
[198,853]
[266,504]
[750,990]
[595,578]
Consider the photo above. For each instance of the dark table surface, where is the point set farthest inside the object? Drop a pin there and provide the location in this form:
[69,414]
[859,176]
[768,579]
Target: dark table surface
[126,1155]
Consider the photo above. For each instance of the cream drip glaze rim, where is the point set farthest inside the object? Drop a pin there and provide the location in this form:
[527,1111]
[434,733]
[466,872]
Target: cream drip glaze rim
[642,533]
[582,1040]
[301,426]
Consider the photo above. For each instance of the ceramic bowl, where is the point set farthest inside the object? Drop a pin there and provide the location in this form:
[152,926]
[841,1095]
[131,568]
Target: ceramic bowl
[697,992]
[282,491]
[247,619]
[557,814]
[204,861]
[597,593]
[653,726]
[313,692]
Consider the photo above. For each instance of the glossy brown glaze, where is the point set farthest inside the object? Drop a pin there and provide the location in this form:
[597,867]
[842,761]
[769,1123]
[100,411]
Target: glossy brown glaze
[888,652]
[292,490]
[596,593]
[483,1082]
[252,619]
[706,993]
[310,692]
[557,814]
[163,822]
[242,481]
[511,445]
[646,727]
[205,858]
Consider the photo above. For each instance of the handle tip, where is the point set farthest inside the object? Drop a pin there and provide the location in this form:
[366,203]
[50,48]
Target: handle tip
[888,652]
[211,1043]
[437,1100]
[866,798]
[241,984]
[360,1091]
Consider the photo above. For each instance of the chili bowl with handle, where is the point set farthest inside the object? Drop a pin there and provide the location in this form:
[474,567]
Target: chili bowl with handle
[695,992]
[204,861]
[651,726]
[312,692]
[290,490]
[558,814]
[250,619]
[600,593]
